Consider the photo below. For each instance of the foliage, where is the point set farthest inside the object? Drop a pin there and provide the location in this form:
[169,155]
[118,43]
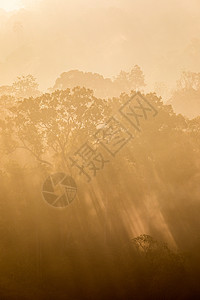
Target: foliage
[50,125]
[25,86]
[151,186]
[132,80]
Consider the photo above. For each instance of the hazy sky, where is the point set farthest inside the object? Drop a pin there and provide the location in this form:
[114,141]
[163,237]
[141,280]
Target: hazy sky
[48,37]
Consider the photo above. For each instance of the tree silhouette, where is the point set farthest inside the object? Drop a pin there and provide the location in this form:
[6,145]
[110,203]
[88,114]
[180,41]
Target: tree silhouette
[133,80]
[188,81]
[102,87]
[25,86]
[52,124]
[185,98]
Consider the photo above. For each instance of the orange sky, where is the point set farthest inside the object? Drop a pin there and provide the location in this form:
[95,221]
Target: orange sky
[102,36]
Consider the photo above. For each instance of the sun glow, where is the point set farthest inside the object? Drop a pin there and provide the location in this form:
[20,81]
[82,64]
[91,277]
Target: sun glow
[10,5]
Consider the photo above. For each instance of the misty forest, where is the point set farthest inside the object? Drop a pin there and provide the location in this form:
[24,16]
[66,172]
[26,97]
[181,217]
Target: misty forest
[132,232]
[99,174]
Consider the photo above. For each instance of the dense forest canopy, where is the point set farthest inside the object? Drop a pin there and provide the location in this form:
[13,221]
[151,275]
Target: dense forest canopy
[100,150]
[150,188]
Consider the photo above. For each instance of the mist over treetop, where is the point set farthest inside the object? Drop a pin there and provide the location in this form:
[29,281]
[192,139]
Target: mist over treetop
[104,37]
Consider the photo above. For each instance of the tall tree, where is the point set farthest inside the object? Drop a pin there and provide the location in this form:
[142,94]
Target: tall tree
[26,86]
[133,80]
[50,126]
